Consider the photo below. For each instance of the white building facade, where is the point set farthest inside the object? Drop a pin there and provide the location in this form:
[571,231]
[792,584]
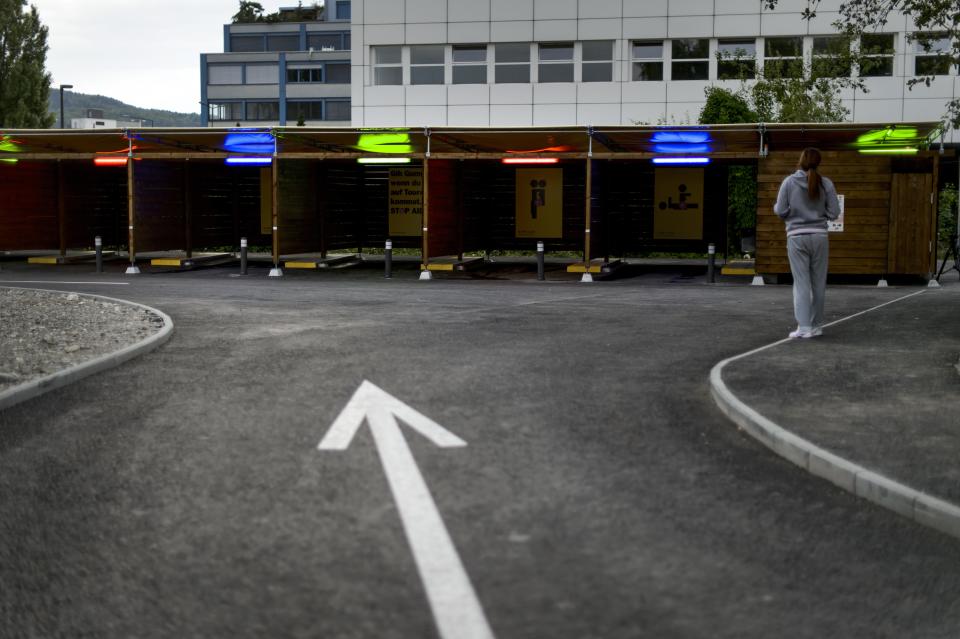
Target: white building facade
[490,63]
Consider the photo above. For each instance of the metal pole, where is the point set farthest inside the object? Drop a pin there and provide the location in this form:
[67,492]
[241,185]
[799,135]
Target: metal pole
[243,256]
[540,275]
[98,245]
[388,260]
[62,87]
[711,263]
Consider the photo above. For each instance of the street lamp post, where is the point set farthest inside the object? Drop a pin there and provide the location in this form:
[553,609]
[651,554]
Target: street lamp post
[62,87]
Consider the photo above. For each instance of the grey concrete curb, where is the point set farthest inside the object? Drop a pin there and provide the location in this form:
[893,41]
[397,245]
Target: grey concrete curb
[900,498]
[36,387]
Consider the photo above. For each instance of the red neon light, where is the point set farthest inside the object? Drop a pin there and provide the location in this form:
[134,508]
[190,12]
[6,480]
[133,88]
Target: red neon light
[111,161]
[530,160]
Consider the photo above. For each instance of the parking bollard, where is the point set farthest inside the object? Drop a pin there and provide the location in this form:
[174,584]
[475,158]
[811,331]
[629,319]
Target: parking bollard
[388,260]
[540,275]
[98,245]
[243,256]
[711,263]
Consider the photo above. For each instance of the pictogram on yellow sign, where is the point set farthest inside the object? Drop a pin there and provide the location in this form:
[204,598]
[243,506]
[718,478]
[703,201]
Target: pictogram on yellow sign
[539,203]
[406,202]
[678,204]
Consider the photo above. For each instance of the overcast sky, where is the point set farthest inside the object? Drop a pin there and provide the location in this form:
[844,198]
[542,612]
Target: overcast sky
[143,52]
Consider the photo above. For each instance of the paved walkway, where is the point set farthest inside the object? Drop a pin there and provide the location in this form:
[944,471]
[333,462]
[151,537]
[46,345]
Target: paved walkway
[871,406]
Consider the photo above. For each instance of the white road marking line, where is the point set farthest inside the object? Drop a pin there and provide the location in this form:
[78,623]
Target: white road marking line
[453,601]
[2,282]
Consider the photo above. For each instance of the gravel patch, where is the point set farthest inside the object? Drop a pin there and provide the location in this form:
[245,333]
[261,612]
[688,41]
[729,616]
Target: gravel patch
[42,332]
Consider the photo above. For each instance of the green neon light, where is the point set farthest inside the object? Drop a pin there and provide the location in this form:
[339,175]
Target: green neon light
[9,160]
[896,150]
[383,160]
[890,135]
[9,146]
[385,143]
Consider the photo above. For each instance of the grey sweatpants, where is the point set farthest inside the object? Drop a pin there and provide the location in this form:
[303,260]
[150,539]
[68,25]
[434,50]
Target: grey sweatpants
[808,262]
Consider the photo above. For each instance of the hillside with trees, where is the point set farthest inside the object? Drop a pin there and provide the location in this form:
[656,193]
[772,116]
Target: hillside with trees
[75,105]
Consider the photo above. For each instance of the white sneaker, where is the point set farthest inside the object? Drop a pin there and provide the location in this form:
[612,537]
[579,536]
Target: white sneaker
[816,331]
[802,334]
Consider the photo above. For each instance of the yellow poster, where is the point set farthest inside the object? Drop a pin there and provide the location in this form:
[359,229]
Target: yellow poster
[540,203]
[406,202]
[678,204]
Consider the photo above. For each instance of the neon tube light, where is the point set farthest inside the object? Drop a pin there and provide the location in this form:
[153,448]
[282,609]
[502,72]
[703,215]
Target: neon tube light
[681,148]
[681,161]
[249,161]
[530,160]
[879,150]
[111,161]
[383,160]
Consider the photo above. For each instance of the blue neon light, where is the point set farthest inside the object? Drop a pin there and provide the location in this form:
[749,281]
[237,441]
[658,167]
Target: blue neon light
[681,148]
[249,161]
[249,143]
[682,161]
[681,137]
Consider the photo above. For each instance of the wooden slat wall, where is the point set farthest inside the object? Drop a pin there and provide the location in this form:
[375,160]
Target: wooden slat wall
[225,202]
[865,181]
[444,212]
[158,196]
[28,206]
[95,203]
[299,222]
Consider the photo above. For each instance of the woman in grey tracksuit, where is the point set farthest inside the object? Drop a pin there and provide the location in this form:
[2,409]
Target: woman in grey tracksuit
[805,202]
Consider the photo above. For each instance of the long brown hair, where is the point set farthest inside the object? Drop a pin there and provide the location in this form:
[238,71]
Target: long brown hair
[809,161]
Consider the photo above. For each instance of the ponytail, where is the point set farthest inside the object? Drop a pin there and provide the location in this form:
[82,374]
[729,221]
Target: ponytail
[809,161]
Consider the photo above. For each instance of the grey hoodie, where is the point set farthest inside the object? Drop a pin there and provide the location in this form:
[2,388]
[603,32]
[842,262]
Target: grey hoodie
[802,214]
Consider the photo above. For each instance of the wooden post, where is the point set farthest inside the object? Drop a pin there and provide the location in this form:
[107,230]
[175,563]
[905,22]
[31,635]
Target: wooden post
[187,209]
[131,218]
[587,198]
[426,214]
[61,210]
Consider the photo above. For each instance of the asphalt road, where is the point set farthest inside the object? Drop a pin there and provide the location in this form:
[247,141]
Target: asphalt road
[601,494]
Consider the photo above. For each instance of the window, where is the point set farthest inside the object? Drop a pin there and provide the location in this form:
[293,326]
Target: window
[647,61]
[337,110]
[283,42]
[343,9]
[470,64]
[386,65]
[263,111]
[426,64]
[556,62]
[225,74]
[512,63]
[246,43]
[221,111]
[877,51]
[302,110]
[933,54]
[328,41]
[597,61]
[831,57]
[691,59]
[737,59]
[783,57]
[338,73]
[308,74]
[263,74]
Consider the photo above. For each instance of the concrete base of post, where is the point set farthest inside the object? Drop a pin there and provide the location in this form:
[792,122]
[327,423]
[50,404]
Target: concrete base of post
[757,280]
[586,278]
[426,275]
[276,271]
[133,269]
[882,283]
[933,284]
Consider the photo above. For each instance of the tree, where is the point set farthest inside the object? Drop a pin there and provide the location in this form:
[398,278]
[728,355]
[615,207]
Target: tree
[725,107]
[24,81]
[249,12]
[936,22]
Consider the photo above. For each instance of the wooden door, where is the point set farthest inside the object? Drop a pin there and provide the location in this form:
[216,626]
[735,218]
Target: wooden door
[911,224]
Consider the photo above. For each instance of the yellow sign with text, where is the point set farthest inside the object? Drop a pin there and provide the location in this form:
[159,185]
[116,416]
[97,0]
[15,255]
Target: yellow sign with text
[406,202]
[678,204]
[539,203]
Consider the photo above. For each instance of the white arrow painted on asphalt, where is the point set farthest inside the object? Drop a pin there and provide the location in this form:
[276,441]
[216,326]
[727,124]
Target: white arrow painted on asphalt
[454,603]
